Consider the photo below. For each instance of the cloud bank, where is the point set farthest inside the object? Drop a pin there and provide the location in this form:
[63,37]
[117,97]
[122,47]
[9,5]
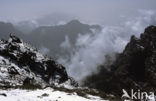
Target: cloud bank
[90,49]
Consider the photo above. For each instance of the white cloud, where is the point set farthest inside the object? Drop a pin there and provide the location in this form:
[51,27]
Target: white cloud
[66,44]
[44,50]
[92,48]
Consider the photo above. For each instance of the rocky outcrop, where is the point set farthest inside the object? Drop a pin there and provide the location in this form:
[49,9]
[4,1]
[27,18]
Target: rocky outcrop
[135,68]
[22,64]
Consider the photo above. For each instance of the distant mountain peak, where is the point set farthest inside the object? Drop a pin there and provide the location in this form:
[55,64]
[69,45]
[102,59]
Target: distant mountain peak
[74,22]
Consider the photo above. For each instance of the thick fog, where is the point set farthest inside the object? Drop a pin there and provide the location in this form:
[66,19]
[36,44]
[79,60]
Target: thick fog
[86,47]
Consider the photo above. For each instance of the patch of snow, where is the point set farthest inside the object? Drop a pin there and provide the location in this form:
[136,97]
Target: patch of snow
[47,94]
[39,56]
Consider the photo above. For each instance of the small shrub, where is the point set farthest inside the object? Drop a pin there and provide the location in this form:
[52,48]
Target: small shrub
[45,94]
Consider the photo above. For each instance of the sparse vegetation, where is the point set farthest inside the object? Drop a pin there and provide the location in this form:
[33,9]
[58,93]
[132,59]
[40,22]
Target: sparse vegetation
[45,94]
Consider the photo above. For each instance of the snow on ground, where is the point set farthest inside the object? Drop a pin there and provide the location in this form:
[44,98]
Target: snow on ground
[47,94]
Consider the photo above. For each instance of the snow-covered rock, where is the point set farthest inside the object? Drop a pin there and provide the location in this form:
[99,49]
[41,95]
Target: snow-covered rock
[27,75]
[22,64]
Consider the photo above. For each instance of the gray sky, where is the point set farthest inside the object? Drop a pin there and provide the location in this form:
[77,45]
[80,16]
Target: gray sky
[92,11]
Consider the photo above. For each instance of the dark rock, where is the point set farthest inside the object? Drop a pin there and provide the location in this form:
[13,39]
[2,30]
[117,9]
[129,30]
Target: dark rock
[12,70]
[135,68]
[28,81]
[15,39]
[3,94]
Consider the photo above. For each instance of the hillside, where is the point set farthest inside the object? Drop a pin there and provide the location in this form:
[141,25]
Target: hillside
[26,74]
[134,68]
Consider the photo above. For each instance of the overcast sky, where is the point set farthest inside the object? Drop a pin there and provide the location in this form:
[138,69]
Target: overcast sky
[92,11]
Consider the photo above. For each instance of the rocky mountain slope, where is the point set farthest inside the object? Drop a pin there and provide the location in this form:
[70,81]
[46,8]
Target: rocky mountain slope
[25,74]
[134,68]
[22,64]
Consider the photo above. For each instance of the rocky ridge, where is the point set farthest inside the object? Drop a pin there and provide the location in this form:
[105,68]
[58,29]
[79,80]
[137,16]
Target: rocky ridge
[134,68]
[22,64]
